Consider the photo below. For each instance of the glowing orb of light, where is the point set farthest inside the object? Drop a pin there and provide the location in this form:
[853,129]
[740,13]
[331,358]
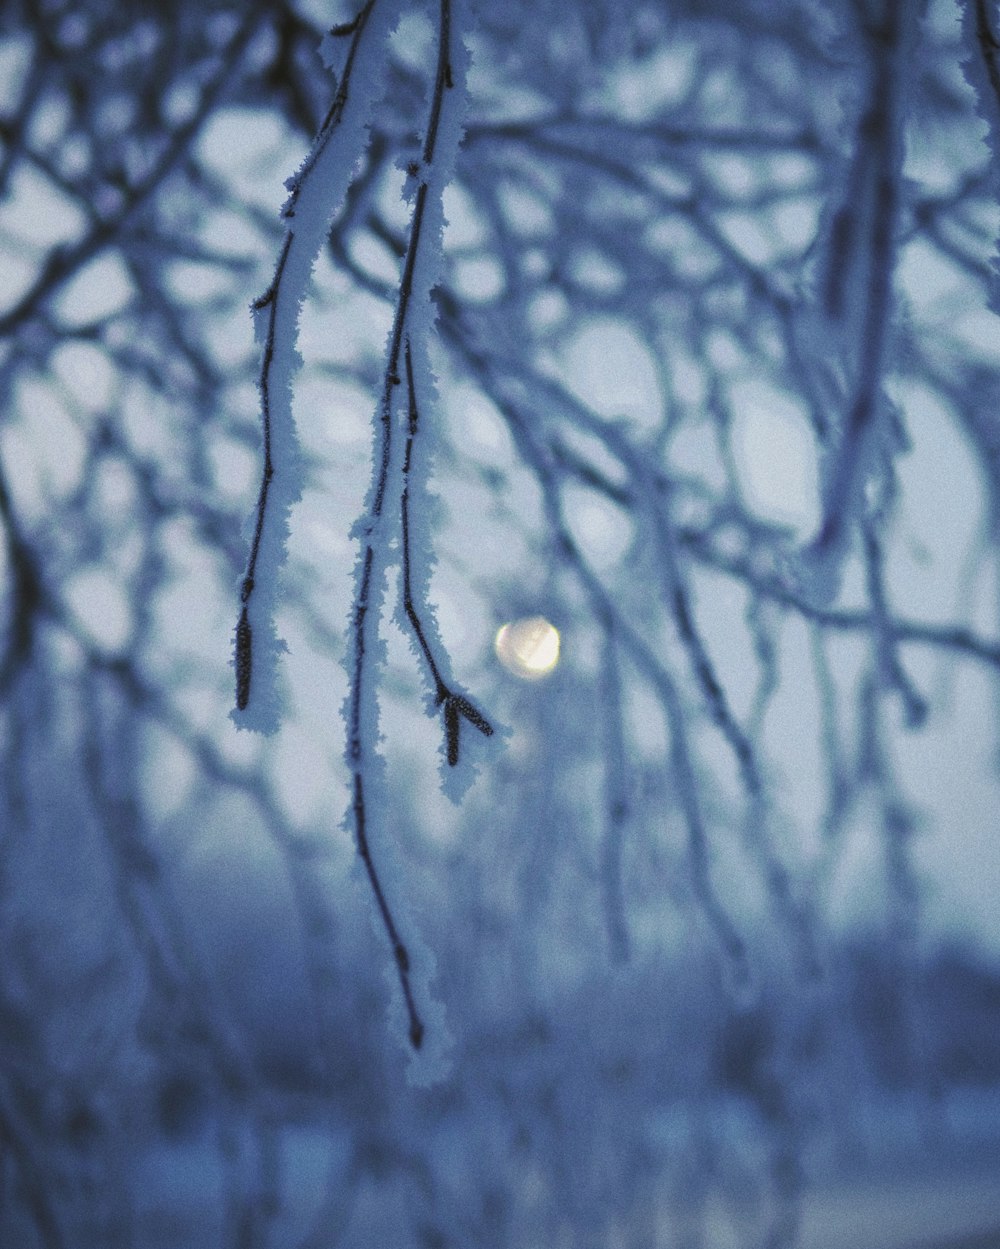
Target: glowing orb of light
[529,648]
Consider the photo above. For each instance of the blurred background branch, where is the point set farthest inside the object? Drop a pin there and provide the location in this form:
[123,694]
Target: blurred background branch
[712,937]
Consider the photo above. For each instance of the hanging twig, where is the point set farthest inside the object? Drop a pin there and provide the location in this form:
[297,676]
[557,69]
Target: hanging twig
[376,528]
[455,707]
[315,192]
[856,294]
[244,634]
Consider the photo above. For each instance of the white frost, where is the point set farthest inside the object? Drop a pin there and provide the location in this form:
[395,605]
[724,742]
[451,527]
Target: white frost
[316,193]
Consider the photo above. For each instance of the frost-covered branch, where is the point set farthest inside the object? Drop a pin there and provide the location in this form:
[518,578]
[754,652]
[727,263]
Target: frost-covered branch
[316,193]
[381,527]
[455,707]
[617,392]
[855,297]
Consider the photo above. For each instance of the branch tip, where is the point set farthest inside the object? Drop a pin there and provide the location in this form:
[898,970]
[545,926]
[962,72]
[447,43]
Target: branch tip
[473,715]
[244,659]
[455,707]
[344,28]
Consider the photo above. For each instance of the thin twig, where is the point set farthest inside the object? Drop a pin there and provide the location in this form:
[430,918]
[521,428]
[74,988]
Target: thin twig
[244,636]
[270,301]
[365,619]
[455,706]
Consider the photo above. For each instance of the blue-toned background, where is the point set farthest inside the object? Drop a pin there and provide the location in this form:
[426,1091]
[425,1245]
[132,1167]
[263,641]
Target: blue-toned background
[708,953]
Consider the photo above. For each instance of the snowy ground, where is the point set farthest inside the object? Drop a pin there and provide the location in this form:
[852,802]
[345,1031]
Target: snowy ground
[901,1182]
[923,1177]
[958,1210]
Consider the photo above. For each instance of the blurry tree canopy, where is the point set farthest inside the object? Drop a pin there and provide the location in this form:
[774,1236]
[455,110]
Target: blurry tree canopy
[668,325]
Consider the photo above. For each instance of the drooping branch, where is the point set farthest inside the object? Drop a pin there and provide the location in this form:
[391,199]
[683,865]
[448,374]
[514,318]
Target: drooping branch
[244,633]
[856,282]
[378,526]
[455,706]
[316,192]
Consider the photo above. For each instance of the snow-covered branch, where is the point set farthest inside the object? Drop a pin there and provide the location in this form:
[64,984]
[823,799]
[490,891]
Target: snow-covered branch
[855,304]
[316,194]
[388,523]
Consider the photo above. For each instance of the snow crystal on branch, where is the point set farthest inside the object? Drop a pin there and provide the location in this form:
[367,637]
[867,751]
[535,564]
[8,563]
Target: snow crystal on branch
[316,193]
[426,180]
[395,521]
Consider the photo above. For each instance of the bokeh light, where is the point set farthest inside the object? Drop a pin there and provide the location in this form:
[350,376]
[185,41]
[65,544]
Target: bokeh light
[529,648]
